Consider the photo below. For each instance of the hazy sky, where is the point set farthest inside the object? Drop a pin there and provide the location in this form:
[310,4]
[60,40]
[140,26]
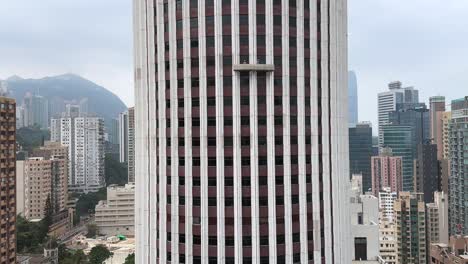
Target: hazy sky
[423,43]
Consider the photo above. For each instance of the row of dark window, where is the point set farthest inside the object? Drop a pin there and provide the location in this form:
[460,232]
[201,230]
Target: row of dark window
[246,201]
[245,182]
[245,161]
[245,141]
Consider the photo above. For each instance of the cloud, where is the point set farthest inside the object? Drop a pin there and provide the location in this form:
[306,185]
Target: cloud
[86,37]
[420,42]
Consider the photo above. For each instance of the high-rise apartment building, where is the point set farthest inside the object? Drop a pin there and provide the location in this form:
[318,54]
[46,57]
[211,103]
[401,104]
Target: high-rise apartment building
[44,183]
[399,139]
[386,200]
[426,178]
[446,117]
[116,215]
[241,132]
[8,181]
[386,171]
[84,137]
[458,180]
[360,152]
[436,111]
[388,244]
[437,219]
[131,144]
[410,234]
[388,101]
[123,137]
[352,99]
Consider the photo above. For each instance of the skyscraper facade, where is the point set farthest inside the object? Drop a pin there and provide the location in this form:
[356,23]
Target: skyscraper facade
[8,181]
[458,180]
[360,152]
[389,100]
[400,140]
[436,110]
[241,131]
[426,178]
[352,99]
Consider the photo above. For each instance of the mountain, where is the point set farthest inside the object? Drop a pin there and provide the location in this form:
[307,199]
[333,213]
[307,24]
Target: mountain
[68,88]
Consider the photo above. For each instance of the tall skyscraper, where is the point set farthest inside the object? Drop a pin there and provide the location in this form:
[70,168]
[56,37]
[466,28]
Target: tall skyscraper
[8,181]
[426,172]
[410,222]
[458,180]
[241,132]
[436,110]
[399,139]
[84,137]
[388,101]
[352,99]
[36,111]
[360,152]
[131,144]
[386,171]
[417,117]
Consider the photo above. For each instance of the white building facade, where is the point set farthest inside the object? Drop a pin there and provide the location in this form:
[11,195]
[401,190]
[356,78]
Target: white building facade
[84,136]
[116,215]
[244,103]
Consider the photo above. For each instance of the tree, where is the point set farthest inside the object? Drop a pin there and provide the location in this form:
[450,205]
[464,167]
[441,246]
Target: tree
[30,236]
[92,230]
[115,172]
[31,137]
[130,259]
[99,254]
[87,202]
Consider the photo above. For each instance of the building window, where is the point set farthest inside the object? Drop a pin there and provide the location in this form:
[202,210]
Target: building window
[360,248]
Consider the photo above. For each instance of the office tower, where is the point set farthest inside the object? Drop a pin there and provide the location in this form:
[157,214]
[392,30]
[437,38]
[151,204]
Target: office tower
[388,101]
[400,140]
[36,111]
[360,152]
[364,224]
[437,219]
[131,144]
[426,172]
[243,103]
[116,215]
[415,115]
[8,181]
[352,99]
[386,200]
[386,171]
[458,180]
[123,136]
[436,110]
[387,241]
[410,222]
[84,137]
[453,252]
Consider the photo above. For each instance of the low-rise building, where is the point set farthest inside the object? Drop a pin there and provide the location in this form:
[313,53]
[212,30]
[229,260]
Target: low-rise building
[115,216]
[388,246]
[456,252]
[386,200]
[364,224]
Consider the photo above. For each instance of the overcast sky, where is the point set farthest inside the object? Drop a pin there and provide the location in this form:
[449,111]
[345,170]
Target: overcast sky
[423,43]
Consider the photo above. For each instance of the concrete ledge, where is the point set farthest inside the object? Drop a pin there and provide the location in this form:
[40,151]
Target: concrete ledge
[253,67]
